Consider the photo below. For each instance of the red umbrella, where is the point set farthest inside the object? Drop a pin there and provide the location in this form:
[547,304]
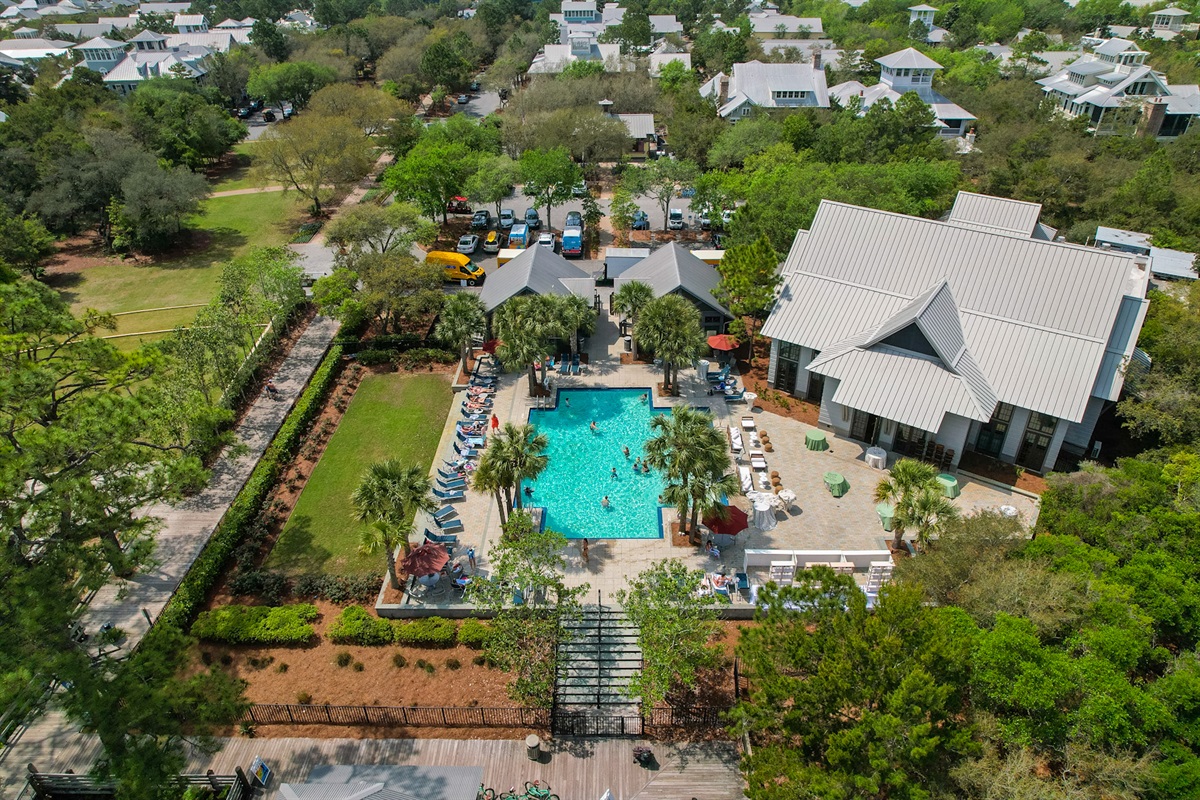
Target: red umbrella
[722,341]
[735,524]
[490,346]
[428,558]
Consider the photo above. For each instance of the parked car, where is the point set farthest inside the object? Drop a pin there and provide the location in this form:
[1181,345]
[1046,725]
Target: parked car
[268,116]
[507,218]
[641,220]
[547,239]
[518,236]
[458,205]
[463,99]
[491,242]
[574,220]
[705,222]
[256,105]
[579,189]
[481,219]
[468,244]
[288,113]
[474,86]
[687,191]
[572,242]
[727,217]
[675,219]
[245,112]
[532,219]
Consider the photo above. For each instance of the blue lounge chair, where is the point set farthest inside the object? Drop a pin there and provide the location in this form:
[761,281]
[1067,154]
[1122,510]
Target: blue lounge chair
[444,513]
[450,526]
[743,582]
[450,475]
[564,366]
[448,540]
[465,452]
[448,496]
[718,377]
[452,486]
[740,397]
[472,441]
[575,364]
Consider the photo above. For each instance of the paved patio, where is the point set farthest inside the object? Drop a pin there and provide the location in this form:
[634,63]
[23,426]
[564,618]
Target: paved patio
[816,521]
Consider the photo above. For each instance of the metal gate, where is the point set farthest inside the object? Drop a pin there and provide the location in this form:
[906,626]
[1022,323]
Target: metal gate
[579,723]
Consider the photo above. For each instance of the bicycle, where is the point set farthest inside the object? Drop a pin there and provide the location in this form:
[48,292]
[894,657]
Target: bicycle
[534,791]
[485,793]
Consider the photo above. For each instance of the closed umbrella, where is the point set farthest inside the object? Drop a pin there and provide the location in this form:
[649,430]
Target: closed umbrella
[736,522]
[764,515]
[426,559]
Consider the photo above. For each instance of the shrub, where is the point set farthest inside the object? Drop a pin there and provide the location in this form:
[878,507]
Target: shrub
[479,660]
[283,667]
[344,658]
[427,632]
[271,587]
[358,666]
[226,659]
[453,663]
[422,663]
[260,663]
[429,668]
[373,358]
[340,589]
[474,634]
[423,356]
[399,661]
[303,698]
[257,624]
[356,625]
[399,342]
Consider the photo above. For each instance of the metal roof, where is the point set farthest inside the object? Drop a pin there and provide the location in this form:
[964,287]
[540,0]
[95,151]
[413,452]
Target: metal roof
[756,81]
[100,43]
[995,213]
[539,270]
[908,58]
[922,7]
[660,60]
[672,267]
[1035,315]
[1112,47]
[1171,12]
[641,126]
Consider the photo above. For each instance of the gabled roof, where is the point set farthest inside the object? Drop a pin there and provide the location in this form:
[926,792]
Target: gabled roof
[922,7]
[908,58]
[665,23]
[1113,47]
[100,43]
[640,126]
[1035,315]
[538,270]
[672,268]
[1171,12]
[995,213]
[148,36]
[756,81]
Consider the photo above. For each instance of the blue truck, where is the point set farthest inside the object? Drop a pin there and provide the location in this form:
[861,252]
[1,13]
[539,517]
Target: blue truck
[572,242]
[518,236]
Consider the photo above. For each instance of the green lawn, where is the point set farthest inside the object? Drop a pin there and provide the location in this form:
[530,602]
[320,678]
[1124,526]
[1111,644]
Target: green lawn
[229,227]
[241,176]
[395,415]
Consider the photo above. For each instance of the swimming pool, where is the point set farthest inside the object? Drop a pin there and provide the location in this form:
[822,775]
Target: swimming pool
[579,473]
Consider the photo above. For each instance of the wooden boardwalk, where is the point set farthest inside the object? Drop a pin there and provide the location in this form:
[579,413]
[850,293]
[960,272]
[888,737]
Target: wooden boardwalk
[576,769]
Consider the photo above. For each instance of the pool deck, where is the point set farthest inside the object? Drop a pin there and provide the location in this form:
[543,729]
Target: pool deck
[817,521]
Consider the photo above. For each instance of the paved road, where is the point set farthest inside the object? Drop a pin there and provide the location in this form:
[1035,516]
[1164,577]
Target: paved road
[480,104]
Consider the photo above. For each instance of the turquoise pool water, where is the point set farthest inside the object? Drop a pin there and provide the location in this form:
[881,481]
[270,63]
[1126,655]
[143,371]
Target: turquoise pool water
[579,473]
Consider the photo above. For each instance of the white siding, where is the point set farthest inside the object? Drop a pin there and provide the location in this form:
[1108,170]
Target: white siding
[1015,435]
[1060,432]
[953,434]
[773,363]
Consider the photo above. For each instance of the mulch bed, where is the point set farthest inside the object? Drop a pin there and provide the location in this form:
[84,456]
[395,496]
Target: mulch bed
[754,379]
[1000,472]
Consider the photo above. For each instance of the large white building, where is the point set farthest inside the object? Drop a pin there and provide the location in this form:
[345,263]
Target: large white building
[908,70]
[758,85]
[1115,88]
[976,333]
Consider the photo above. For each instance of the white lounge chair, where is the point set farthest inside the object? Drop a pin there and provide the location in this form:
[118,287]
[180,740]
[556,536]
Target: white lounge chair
[748,423]
[747,479]
[735,439]
[758,461]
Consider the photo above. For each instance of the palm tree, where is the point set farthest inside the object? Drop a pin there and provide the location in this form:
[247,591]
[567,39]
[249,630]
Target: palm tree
[670,326]
[526,326]
[489,477]
[925,512]
[387,496]
[520,452]
[709,489]
[574,317]
[909,479]
[461,321]
[629,300]
[685,446]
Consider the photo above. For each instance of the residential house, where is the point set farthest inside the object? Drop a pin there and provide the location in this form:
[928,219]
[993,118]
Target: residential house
[641,131]
[236,24]
[908,70]
[758,85]
[1115,89]
[299,20]
[153,57]
[85,30]
[554,58]
[663,24]
[924,14]
[673,270]
[537,270]
[64,8]
[100,54]
[1164,263]
[164,9]
[26,33]
[975,333]
[1168,19]
[191,23]
[770,24]
[661,58]
[33,50]
[217,41]
[1165,24]
[119,23]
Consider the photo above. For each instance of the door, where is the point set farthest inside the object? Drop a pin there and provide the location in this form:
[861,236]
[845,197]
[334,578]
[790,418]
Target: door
[864,427]
[785,375]
[991,434]
[1036,442]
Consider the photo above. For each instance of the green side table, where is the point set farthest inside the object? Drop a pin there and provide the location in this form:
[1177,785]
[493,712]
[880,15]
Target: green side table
[887,514]
[836,484]
[949,485]
[815,440]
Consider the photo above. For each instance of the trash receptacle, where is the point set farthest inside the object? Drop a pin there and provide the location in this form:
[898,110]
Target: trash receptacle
[628,344]
[533,747]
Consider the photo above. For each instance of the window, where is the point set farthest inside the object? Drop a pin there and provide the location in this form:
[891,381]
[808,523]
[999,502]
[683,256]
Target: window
[787,367]
[789,94]
[745,111]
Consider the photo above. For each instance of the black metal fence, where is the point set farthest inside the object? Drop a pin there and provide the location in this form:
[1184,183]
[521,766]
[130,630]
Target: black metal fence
[68,786]
[400,716]
[651,722]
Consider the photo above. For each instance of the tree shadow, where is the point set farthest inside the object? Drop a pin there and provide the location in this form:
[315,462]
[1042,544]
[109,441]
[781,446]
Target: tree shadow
[297,551]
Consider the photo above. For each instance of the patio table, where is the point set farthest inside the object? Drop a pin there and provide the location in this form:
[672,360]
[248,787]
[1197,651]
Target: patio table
[836,484]
[876,457]
[815,440]
[949,485]
[887,513]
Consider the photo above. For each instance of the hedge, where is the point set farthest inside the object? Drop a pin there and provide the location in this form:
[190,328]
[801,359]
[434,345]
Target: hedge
[474,634]
[356,625]
[257,624]
[427,632]
[209,566]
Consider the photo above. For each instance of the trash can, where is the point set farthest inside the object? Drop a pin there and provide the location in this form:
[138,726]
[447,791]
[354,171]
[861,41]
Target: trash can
[533,747]
[628,344]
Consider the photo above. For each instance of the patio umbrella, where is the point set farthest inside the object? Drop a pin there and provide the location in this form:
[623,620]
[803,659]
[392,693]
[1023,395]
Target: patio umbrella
[737,522]
[429,557]
[490,346]
[722,341]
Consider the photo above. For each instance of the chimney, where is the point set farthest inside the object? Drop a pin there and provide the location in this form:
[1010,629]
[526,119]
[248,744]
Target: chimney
[1154,112]
[723,92]
[816,58]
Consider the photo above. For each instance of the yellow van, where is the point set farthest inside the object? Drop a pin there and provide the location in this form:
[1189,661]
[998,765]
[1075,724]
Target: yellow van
[457,267]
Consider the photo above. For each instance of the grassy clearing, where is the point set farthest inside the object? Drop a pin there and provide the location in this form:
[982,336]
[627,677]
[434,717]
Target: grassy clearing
[242,175]
[395,415]
[229,227]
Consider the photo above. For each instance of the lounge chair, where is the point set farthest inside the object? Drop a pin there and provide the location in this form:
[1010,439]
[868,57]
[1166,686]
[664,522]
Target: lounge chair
[450,496]
[440,538]
[444,513]
[718,377]
[735,439]
[483,380]
[758,461]
[450,526]
[739,397]
[748,423]
[465,452]
[564,365]
[452,486]
[469,417]
[747,479]
[472,441]
[450,475]
[743,582]
[575,364]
